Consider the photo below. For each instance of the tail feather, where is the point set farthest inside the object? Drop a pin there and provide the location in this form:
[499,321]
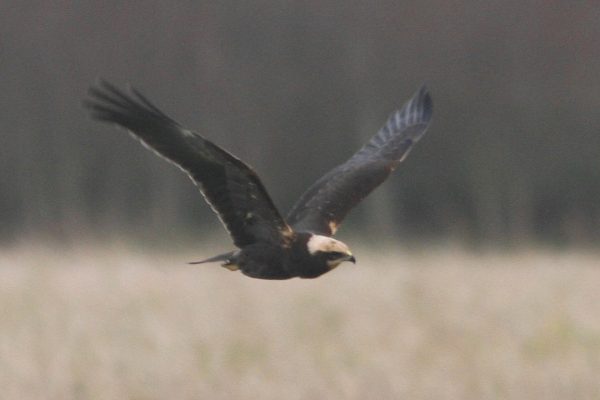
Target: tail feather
[226,257]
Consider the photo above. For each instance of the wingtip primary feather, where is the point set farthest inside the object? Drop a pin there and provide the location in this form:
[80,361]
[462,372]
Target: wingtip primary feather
[423,103]
[105,100]
[418,110]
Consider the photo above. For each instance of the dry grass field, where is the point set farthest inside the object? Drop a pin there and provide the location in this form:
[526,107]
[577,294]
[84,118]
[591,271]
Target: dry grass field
[115,322]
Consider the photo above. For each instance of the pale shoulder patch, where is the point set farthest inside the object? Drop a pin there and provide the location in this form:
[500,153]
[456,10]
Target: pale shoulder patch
[326,244]
[333,227]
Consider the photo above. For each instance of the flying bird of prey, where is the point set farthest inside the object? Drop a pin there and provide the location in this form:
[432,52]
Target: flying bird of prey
[269,246]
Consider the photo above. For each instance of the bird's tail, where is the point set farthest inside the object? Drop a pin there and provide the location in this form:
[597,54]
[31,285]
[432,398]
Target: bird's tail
[226,257]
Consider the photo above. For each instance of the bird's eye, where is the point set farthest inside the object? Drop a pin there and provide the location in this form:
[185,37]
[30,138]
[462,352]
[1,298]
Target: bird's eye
[334,255]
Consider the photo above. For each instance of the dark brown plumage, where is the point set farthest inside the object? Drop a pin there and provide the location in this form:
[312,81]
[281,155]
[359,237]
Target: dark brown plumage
[269,247]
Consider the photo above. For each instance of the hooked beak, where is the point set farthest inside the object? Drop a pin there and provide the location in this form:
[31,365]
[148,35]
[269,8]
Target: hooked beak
[351,259]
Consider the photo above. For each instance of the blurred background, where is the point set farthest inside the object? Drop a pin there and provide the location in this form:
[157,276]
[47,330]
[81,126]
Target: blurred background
[295,87]
[478,259]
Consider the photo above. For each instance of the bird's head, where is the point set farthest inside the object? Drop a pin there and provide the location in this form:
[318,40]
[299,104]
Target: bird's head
[331,251]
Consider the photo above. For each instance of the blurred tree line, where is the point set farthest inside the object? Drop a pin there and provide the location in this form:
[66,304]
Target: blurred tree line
[295,87]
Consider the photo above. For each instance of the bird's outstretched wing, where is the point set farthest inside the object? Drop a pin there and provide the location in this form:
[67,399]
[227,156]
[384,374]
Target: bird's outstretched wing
[232,188]
[325,204]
